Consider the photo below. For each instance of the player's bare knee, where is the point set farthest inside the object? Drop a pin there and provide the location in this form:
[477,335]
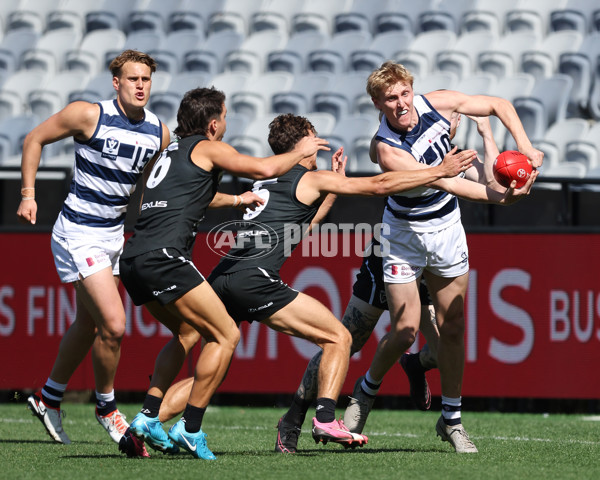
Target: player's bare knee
[405,336]
[343,340]
[453,329]
[112,332]
[234,338]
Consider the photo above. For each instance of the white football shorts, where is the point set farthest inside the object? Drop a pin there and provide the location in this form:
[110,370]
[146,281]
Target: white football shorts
[81,257]
[442,252]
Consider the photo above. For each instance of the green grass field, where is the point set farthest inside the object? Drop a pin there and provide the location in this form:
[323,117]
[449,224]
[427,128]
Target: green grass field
[402,444]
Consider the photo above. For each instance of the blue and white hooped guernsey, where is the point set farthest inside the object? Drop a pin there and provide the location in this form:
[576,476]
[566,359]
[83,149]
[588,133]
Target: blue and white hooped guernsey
[106,170]
[421,209]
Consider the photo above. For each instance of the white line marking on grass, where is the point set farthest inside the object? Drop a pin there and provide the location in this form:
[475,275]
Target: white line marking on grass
[591,418]
[16,420]
[484,437]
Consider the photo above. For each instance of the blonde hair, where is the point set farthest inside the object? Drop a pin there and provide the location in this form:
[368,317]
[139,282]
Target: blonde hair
[387,75]
[131,56]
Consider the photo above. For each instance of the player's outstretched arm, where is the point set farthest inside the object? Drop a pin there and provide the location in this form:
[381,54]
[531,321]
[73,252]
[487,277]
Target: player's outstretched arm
[247,199]
[224,156]
[338,165]
[389,183]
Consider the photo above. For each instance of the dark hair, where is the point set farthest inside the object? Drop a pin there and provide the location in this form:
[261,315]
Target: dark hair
[286,130]
[131,56]
[197,108]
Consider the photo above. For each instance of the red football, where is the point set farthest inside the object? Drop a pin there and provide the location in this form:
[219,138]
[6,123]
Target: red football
[512,165]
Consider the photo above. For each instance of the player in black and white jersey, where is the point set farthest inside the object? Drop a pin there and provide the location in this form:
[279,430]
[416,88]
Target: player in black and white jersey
[248,282]
[158,272]
[426,236]
[114,141]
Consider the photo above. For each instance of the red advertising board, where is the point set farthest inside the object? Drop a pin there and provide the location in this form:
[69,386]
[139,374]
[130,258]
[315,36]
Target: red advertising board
[532,319]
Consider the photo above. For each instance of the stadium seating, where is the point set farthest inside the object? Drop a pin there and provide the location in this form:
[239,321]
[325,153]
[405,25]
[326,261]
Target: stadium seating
[254,139]
[150,15]
[345,95]
[504,58]
[251,55]
[573,15]
[91,54]
[242,46]
[420,58]
[292,57]
[543,61]
[255,99]
[546,104]
[317,15]
[580,66]
[51,97]
[594,103]
[171,52]
[398,15]
[382,48]
[299,98]
[334,55]
[165,103]
[13,45]
[142,40]
[487,15]
[109,14]
[12,134]
[99,87]
[531,16]
[556,138]
[29,15]
[275,16]
[49,52]
[16,89]
[461,58]
[210,56]
[445,15]
[586,149]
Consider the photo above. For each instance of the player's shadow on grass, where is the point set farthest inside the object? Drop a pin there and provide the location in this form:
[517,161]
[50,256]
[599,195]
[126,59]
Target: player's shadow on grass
[365,451]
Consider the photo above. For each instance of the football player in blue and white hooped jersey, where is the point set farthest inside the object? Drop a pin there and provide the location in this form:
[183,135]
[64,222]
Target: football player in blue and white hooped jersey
[114,141]
[426,236]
